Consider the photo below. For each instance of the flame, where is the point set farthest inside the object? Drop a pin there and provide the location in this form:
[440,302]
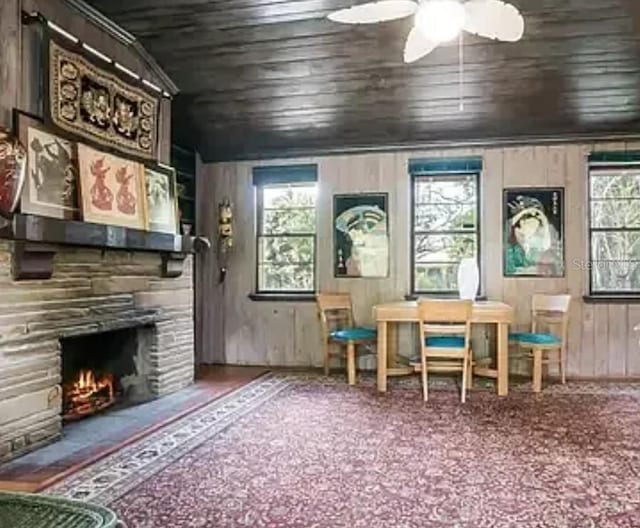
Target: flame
[89,394]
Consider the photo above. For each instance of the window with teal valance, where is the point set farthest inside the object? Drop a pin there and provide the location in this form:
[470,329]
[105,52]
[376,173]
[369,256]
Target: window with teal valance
[285,229]
[615,157]
[445,221]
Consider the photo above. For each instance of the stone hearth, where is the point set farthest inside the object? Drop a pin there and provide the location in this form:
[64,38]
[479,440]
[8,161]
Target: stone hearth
[91,291]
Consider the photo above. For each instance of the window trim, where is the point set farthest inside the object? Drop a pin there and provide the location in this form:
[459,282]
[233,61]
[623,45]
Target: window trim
[282,295]
[607,162]
[476,172]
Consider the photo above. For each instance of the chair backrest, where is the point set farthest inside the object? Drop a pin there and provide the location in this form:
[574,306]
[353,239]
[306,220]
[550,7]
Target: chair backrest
[335,311]
[551,310]
[445,317]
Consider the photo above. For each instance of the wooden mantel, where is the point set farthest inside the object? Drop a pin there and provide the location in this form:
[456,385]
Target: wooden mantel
[36,239]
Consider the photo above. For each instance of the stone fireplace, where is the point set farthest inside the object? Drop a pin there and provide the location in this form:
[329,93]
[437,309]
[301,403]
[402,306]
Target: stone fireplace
[102,310]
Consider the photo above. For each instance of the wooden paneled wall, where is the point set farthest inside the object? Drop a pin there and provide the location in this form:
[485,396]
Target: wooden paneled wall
[234,329]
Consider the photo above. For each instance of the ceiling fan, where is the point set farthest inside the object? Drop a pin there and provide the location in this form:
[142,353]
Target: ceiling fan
[439,21]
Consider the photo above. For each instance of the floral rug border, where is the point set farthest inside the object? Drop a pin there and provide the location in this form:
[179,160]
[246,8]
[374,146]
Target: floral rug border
[113,476]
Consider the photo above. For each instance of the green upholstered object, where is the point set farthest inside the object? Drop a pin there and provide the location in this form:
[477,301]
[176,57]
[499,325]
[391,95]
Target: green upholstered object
[529,338]
[445,342]
[22,510]
[354,334]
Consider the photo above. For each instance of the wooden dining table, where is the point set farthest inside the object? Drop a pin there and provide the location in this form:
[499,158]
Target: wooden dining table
[389,315]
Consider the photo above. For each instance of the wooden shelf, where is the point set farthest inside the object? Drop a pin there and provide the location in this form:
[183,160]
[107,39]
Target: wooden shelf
[32,228]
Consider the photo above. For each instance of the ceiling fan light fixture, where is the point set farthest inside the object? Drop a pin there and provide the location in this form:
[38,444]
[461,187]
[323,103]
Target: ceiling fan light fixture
[440,20]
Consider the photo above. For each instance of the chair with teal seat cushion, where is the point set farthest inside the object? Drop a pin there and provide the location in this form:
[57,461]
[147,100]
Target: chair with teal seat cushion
[549,325]
[340,331]
[445,335]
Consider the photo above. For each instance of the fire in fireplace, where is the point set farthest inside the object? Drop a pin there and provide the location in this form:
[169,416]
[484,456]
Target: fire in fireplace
[88,394]
[103,369]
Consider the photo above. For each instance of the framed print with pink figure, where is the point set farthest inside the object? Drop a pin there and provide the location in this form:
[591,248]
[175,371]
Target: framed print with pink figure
[112,189]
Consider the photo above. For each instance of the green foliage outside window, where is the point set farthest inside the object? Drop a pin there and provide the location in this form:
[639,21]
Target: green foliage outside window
[286,237]
[446,229]
[615,230]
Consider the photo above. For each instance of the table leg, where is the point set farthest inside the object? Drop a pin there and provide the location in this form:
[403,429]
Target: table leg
[392,344]
[382,356]
[503,359]
[351,362]
[537,370]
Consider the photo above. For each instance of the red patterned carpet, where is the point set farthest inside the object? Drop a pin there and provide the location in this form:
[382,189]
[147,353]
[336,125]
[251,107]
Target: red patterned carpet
[313,453]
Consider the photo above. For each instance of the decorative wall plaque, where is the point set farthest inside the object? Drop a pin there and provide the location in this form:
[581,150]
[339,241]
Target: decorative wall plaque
[88,101]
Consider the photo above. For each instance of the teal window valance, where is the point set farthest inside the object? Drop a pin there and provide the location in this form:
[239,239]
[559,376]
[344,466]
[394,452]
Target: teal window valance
[613,158]
[421,167]
[275,174]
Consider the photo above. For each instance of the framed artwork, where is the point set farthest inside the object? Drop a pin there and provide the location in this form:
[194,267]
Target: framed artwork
[361,235]
[51,182]
[533,230]
[112,189]
[162,202]
[13,167]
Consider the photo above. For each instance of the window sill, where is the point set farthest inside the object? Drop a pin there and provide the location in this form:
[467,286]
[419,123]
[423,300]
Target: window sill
[611,299]
[415,296]
[283,297]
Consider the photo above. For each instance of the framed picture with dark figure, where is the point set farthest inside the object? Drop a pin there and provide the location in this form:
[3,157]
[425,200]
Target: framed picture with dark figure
[162,202]
[51,183]
[361,235]
[533,232]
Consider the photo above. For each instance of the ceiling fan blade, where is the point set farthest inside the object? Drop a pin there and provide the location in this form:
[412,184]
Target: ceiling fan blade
[417,46]
[494,19]
[373,12]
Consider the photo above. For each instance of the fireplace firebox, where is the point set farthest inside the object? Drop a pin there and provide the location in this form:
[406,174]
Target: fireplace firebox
[103,370]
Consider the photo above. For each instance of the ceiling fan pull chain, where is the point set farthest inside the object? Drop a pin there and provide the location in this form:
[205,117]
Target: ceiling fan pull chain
[461,72]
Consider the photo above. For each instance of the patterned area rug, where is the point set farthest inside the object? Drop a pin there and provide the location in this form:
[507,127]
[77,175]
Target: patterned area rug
[305,451]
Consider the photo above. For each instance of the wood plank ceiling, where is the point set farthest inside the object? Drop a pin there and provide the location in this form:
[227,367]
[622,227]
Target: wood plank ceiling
[263,78]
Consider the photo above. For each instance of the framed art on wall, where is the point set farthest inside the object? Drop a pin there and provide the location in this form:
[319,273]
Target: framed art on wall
[51,182]
[533,231]
[112,189]
[162,205]
[361,235]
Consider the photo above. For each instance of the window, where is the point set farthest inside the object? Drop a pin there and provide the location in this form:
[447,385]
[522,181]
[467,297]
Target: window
[286,229]
[445,221]
[614,223]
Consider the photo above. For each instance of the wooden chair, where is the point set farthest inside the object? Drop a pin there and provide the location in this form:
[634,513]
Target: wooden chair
[546,311]
[445,339]
[338,329]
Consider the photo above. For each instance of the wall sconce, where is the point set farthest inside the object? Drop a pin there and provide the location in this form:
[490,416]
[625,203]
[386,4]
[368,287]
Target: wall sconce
[225,235]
